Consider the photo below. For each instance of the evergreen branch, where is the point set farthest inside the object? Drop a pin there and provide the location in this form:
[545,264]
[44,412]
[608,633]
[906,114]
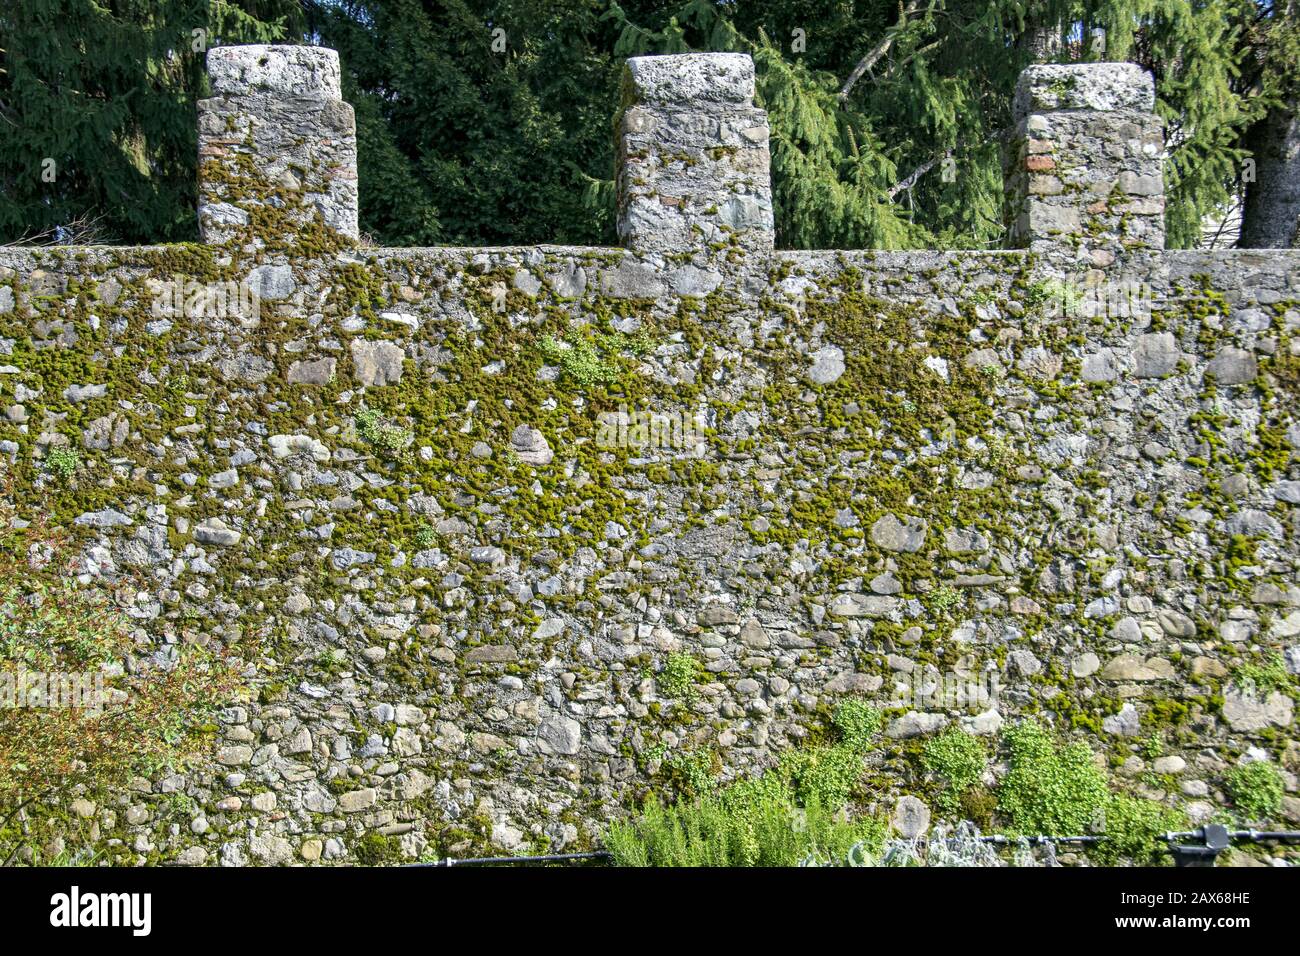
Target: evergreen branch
[916,174]
[912,56]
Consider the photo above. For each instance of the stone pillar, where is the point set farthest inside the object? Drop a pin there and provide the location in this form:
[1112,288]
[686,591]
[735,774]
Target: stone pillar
[1084,176]
[277,149]
[693,162]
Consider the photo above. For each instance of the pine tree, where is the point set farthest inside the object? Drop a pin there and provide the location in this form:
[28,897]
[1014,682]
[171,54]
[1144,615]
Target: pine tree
[1190,46]
[97,111]
[479,121]
[829,173]
[913,157]
[488,121]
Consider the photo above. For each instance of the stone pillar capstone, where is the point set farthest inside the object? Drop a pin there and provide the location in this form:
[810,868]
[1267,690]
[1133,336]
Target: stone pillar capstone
[277,149]
[1084,174]
[693,162]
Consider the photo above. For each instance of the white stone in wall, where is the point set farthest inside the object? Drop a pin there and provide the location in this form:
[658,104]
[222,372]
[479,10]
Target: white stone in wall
[280,70]
[1084,86]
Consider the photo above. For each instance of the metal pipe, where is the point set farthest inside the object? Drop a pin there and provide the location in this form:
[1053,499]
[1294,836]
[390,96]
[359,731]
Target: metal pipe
[1001,840]
[1236,835]
[551,858]
[1202,833]
[1266,835]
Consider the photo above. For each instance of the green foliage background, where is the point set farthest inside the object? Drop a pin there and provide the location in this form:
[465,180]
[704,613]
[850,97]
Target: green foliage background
[467,141]
[106,90]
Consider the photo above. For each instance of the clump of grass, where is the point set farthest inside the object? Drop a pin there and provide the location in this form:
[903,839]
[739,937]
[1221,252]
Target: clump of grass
[751,823]
[791,814]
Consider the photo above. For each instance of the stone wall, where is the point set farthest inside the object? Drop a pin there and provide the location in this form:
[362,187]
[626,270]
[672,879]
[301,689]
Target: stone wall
[1087,174]
[412,487]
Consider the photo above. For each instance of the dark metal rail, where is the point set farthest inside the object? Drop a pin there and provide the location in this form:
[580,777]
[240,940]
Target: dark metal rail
[549,858]
[1214,839]
[999,840]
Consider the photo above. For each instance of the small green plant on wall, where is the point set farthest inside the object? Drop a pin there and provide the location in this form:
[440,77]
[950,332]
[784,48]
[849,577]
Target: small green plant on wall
[62,462]
[943,599]
[580,361]
[392,441]
[1266,675]
[1256,790]
[958,760]
[1050,789]
[679,675]
[1057,789]
[424,536]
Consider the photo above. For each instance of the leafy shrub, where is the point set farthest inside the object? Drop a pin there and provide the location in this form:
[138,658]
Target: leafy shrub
[1050,789]
[1256,789]
[958,758]
[1054,296]
[822,775]
[828,774]
[1132,828]
[858,723]
[690,773]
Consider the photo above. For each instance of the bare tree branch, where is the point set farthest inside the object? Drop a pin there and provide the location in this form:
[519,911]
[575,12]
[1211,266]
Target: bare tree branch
[917,173]
[929,164]
[912,56]
[880,49]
